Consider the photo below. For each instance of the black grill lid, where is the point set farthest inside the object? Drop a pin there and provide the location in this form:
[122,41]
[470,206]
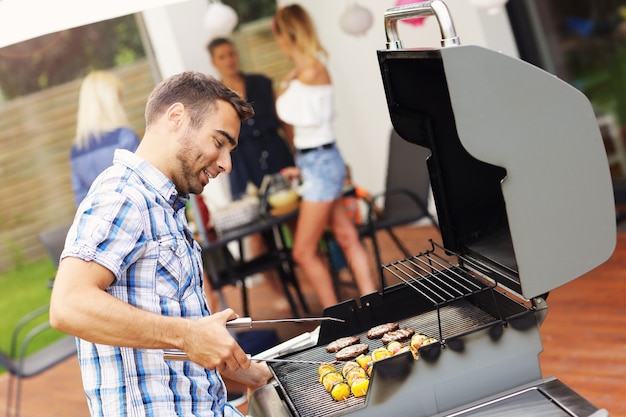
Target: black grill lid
[518,168]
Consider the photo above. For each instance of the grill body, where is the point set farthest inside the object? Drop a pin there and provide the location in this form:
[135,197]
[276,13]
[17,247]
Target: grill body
[438,380]
[525,204]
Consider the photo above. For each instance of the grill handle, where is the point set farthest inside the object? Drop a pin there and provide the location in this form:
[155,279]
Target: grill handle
[436,7]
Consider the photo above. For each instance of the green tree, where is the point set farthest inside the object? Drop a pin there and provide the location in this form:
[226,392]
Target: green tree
[63,56]
[249,11]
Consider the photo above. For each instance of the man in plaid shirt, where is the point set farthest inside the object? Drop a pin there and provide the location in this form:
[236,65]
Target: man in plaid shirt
[130,280]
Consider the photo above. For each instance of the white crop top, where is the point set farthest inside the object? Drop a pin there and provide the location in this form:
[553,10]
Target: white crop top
[310,110]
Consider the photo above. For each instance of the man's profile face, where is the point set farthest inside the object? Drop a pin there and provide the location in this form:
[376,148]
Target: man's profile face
[204,153]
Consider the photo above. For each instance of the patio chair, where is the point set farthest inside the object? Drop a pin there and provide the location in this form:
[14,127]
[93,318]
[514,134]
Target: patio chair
[53,241]
[405,198]
[21,366]
[223,269]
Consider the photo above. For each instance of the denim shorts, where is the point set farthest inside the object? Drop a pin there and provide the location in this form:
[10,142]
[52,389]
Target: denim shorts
[323,172]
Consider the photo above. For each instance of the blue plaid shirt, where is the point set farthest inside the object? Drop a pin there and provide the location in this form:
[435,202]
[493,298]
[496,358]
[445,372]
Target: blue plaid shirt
[133,223]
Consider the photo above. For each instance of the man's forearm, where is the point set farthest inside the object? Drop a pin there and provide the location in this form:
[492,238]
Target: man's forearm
[80,306]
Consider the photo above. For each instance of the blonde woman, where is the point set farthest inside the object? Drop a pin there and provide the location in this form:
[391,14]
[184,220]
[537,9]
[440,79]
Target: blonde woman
[306,103]
[101,128]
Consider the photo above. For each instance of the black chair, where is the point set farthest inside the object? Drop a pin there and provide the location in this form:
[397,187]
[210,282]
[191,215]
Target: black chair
[53,241]
[32,326]
[405,198]
[223,269]
[21,366]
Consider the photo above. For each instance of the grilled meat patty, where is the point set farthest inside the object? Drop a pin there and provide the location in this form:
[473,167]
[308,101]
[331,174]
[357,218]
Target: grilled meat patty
[352,351]
[399,335]
[341,343]
[378,331]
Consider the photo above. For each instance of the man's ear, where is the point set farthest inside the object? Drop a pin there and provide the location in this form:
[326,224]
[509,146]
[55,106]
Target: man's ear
[175,115]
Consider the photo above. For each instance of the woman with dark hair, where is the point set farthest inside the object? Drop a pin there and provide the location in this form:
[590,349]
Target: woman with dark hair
[262,150]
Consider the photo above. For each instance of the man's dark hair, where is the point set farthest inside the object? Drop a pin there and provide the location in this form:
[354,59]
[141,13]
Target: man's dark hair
[198,93]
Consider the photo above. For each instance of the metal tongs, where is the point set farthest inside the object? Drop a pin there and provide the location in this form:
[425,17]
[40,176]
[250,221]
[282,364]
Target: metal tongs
[247,322]
[179,355]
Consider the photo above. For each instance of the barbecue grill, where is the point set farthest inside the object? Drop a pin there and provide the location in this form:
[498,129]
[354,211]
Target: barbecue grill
[525,204]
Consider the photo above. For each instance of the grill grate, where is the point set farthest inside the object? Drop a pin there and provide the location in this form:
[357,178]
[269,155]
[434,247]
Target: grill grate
[298,383]
[435,278]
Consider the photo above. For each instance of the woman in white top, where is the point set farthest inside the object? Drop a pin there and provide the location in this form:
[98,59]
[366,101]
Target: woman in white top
[306,103]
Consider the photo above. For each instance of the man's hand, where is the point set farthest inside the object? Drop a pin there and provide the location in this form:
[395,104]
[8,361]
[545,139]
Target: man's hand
[257,375]
[211,345]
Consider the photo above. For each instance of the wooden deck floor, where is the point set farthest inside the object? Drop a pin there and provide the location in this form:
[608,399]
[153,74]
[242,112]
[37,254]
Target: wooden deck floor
[584,338]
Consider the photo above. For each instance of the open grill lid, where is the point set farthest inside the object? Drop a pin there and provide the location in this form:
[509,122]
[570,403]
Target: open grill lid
[518,167]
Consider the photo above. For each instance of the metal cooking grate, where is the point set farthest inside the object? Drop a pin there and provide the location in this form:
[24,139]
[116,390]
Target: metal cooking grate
[435,277]
[300,385]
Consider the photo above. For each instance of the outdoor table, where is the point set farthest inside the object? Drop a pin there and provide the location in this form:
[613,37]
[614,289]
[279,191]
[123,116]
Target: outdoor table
[278,257]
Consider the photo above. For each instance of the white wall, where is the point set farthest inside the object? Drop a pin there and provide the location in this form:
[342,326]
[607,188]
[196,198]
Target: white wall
[362,123]
[178,38]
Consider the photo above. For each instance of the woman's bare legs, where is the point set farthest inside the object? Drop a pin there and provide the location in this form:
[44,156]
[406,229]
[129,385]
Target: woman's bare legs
[347,237]
[312,221]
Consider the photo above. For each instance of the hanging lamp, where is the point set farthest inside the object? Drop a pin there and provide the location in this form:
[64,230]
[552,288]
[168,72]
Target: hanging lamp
[356,20]
[220,19]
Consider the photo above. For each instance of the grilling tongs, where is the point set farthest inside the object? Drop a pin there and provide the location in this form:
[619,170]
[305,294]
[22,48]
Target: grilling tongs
[247,322]
[179,355]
